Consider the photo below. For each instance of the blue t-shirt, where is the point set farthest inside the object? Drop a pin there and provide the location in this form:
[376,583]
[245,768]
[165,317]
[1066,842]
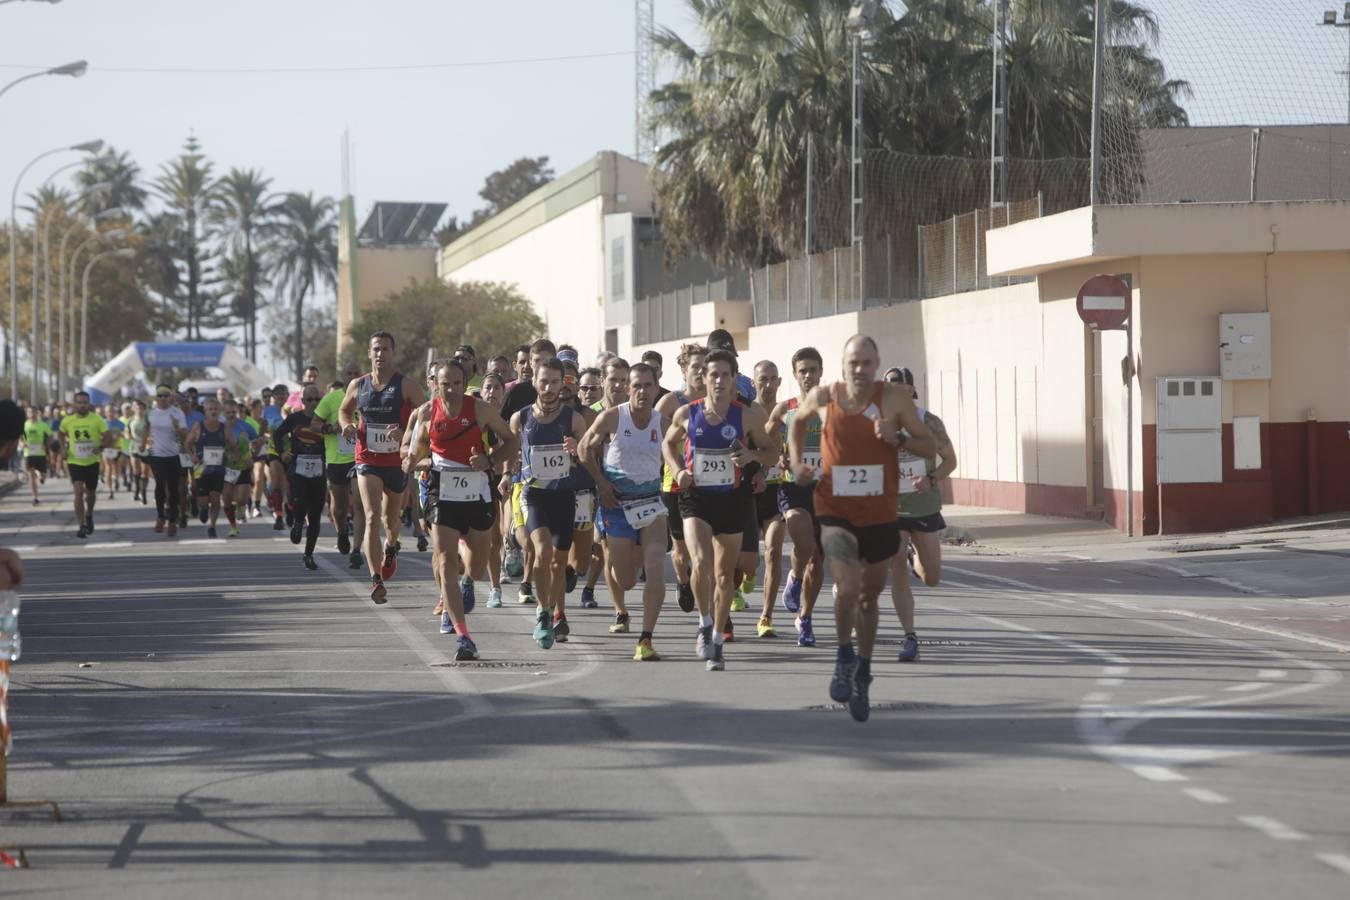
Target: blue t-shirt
[196,417]
[273,416]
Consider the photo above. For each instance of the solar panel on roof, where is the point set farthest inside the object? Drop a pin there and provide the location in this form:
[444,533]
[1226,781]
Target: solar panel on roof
[401,223]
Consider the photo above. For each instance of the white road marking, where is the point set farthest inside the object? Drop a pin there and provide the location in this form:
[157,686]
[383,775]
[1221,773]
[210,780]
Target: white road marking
[1205,795]
[1272,828]
[1097,698]
[1165,701]
[1115,670]
[1336,861]
[1157,773]
[111,545]
[1244,687]
[1263,629]
[1110,682]
[1111,581]
[1271,673]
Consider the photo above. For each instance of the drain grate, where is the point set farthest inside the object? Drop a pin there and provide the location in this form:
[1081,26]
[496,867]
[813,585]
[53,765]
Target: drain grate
[900,706]
[1195,548]
[491,664]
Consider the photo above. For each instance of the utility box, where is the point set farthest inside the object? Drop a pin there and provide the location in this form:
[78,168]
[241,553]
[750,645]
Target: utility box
[1244,346]
[1190,415]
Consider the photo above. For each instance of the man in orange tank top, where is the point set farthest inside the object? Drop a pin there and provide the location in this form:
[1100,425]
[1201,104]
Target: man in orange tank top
[864,421]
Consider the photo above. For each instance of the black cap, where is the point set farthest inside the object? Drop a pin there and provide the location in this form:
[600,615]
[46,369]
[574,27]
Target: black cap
[721,339]
[906,376]
[466,348]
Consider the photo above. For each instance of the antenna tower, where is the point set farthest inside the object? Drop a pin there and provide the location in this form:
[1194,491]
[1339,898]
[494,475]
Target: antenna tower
[644,78]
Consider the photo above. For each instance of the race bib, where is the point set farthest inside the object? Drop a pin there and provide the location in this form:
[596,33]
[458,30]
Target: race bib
[110,453]
[643,512]
[858,481]
[774,474]
[309,466]
[462,485]
[549,462]
[185,460]
[585,510]
[213,456]
[83,449]
[380,439]
[714,468]
[812,459]
[346,445]
[911,467]
[232,476]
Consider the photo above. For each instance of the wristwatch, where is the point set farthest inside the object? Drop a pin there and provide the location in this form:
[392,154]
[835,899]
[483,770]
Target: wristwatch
[932,480]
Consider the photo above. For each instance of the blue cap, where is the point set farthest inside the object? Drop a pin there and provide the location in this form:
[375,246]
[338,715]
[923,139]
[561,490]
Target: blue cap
[568,356]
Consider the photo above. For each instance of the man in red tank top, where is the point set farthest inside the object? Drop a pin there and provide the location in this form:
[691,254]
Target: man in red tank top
[864,422]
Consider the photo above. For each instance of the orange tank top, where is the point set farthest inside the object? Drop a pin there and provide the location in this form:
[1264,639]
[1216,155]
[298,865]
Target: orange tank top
[860,480]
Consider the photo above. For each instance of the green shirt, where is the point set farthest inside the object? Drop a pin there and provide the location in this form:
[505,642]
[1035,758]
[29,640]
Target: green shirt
[336,449]
[917,504]
[36,434]
[85,434]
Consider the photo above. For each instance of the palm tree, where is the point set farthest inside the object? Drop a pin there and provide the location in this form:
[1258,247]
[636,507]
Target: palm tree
[121,173]
[244,213]
[188,191]
[305,256]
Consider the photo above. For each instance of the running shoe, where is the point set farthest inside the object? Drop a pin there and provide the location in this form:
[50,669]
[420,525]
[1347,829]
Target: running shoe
[715,662]
[308,560]
[514,562]
[738,603]
[421,543]
[765,629]
[465,650]
[82,533]
[806,635]
[447,627]
[203,514]
[495,598]
[354,561]
[588,598]
[792,594]
[211,532]
[858,706]
[644,652]
[173,530]
[686,598]
[561,629]
[407,517]
[466,594]
[344,542]
[390,564]
[35,501]
[278,525]
[748,584]
[620,625]
[729,636]
[296,528]
[234,531]
[909,648]
[290,515]
[841,685]
[377,591]
[543,629]
[88,524]
[703,643]
[526,593]
[571,579]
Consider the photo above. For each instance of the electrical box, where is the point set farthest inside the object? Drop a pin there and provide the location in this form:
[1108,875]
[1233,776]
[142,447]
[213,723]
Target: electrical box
[1244,346]
[1246,442]
[1190,415]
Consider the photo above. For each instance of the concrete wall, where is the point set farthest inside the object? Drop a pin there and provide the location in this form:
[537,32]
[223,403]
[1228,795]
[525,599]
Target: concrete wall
[380,271]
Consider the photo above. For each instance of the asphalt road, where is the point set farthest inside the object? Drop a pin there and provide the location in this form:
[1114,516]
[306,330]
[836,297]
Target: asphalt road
[216,721]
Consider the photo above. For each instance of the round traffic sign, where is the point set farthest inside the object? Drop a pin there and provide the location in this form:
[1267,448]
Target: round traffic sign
[1104,302]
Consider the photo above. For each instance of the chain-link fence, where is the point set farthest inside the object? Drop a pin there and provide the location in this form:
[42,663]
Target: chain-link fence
[665,316]
[953,257]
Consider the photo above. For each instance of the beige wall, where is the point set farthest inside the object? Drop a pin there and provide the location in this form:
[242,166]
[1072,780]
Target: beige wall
[381,271]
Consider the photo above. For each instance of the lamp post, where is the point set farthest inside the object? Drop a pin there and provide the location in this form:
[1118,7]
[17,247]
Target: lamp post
[121,253]
[859,24]
[74,70]
[1329,18]
[87,147]
[48,356]
[68,296]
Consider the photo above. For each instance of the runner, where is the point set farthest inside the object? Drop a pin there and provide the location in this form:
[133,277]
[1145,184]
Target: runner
[56,460]
[242,440]
[208,442]
[548,431]
[384,399]
[920,518]
[579,557]
[716,447]
[693,362]
[657,362]
[258,420]
[493,393]
[138,428]
[612,382]
[460,503]
[767,521]
[856,500]
[518,397]
[720,339]
[168,428]
[797,503]
[467,358]
[299,441]
[344,501]
[124,462]
[274,414]
[36,435]
[111,467]
[501,367]
[629,436]
[84,434]
[193,416]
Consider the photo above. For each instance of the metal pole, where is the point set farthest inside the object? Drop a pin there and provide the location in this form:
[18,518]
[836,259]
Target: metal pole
[1256,160]
[977,249]
[1098,60]
[810,208]
[47,299]
[1129,427]
[998,134]
[955,260]
[919,273]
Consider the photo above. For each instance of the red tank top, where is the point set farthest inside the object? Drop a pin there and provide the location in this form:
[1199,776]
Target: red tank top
[454,438]
[848,443]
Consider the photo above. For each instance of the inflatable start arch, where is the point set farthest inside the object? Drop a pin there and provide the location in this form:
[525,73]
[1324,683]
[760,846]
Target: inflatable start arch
[142,355]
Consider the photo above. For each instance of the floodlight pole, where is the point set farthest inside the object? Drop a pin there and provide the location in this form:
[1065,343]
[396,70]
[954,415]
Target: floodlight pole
[1098,60]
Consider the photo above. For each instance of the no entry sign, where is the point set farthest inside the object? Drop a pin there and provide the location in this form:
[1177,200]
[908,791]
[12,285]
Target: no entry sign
[1104,302]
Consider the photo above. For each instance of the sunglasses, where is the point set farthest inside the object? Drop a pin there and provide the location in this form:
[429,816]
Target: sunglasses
[590,387]
[163,396]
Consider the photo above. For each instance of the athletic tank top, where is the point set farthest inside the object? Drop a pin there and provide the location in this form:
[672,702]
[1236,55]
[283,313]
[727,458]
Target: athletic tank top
[541,449]
[211,450]
[454,438]
[812,447]
[917,504]
[633,456]
[668,477]
[579,479]
[382,410]
[707,449]
[860,480]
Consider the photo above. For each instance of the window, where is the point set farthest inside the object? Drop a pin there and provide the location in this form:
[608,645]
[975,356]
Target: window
[1206,389]
[1174,389]
[1188,389]
[616,271]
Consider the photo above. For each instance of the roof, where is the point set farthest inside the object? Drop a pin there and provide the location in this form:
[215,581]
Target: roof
[401,223]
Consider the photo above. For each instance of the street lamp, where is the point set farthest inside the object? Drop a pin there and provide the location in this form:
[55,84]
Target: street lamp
[86,147]
[859,23]
[47,357]
[73,69]
[52,2]
[68,297]
[1329,18]
[122,253]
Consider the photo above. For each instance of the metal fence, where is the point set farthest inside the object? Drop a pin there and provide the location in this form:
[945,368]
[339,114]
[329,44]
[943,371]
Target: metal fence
[953,255]
[665,316]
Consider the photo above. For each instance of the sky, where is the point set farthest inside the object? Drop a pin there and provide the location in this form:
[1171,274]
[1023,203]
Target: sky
[432,134]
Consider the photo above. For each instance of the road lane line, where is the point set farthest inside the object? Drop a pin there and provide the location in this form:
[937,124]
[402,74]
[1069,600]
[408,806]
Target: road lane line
[1157,773]
[1325,643]
[1271,673]
[1110,682]
[1245,687]
[1116,671]
[1272,828]
[1181,698]
[1338,861]
[1205,795]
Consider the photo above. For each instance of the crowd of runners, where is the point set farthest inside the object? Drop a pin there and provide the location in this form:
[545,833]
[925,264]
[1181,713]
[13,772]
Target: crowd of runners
[555,474]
